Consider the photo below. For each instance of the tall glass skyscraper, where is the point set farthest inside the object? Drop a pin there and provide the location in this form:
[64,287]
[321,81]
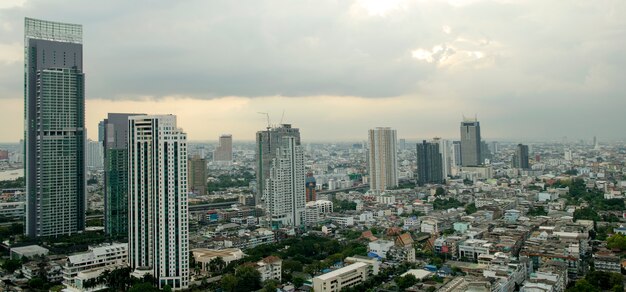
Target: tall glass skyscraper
[471,143]
[54,128]
[429,163]
[158,229]
[115,140]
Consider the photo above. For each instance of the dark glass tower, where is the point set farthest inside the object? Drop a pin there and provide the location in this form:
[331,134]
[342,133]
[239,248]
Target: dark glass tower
[429,166]
[521,159]
[115,141]
[54,128]
[470,143]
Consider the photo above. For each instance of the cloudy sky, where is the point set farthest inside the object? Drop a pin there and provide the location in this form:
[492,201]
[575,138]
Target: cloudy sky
[528,69]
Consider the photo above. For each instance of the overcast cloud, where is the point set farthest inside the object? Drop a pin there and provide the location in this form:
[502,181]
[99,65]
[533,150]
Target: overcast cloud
[528,69]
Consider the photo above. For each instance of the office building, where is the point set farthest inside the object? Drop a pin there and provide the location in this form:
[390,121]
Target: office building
[197,175]
[94,155]
[456,151]
[284,194]
[115,141]
[310,188]
[429,163]
[348,276]
[520,158]
[54,128]
[158,234]
[382,159]
[447,159]
[224,151]
[470,143]
[266,144]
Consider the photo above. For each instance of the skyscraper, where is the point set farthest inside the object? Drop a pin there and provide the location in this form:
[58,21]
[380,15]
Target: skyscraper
[266,144]
[382,159]
[197,175]
[520,158]
[54,128]
[224,152]
[115,139]
[94,155]
[310,187]
[429,163]
[470,143]
[447,156]
[456,150]
[158,218]
[284,194]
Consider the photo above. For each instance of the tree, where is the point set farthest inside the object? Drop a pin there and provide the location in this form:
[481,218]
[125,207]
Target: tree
[406,281]
[583,286]
[249,279]
[143,287]
[217,264]
[298,282]
[470,209]
[539,211]
[616,241]
[440,191]
[229,283]
[12,265]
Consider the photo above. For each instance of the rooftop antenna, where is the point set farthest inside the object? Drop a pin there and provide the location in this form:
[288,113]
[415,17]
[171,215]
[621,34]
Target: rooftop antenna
[269,125]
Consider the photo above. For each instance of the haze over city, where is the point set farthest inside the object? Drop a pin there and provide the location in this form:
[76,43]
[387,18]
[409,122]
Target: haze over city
[530,69]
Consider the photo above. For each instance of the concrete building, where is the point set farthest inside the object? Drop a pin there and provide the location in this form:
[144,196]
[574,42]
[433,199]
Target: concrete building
[382,159]
[54,123]
[429,163]
[311,191]
[284,195]
[224,151]
[380,247]
[204,256]
[97,258]
[29,251]
[267,142]
[472,248]
[115,144]
[456,153]
[447,156]
[270,268]
[197,175]
[12,210]
[337,280]
[158,229]
[94,155]
[374,263]
[470,143]
[520,158]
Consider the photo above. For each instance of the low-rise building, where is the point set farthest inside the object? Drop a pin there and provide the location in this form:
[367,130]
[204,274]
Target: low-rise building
[204,256]
[97,258]
[270,268]
[607,261]
[28,251]
[337,280]
[380,247]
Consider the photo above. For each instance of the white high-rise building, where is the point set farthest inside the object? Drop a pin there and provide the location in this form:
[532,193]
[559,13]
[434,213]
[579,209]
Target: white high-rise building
[284,195]
[95,157]
[382,159]
[158,228]
[447,156]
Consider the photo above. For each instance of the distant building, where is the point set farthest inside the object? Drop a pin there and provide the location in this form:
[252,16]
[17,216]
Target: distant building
[520,158]
[456,153]
[103,257]
[470,143]
[4,154]
[94,155]
[204,256]
[382,159]
[429,163]
[197,175]
[17,253]
[447,156]
[224,152]
[310,188]
[270,268]
[337,280]
[267,142]
[12,210]
[284,196]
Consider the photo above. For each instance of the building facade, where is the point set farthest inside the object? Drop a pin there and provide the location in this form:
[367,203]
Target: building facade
[382,159]
[284,194]
[115,141]
[470,143]
[224,151]
[348,276]
[266,144]
[158,217]
[520,158]
[197,175]
[429,163]
[54,128]
[94,155]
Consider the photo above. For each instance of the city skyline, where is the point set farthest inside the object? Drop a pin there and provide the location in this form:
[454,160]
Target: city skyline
[422,69]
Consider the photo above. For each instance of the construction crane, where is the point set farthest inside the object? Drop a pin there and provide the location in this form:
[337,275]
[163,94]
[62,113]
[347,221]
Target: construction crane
[269,124]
